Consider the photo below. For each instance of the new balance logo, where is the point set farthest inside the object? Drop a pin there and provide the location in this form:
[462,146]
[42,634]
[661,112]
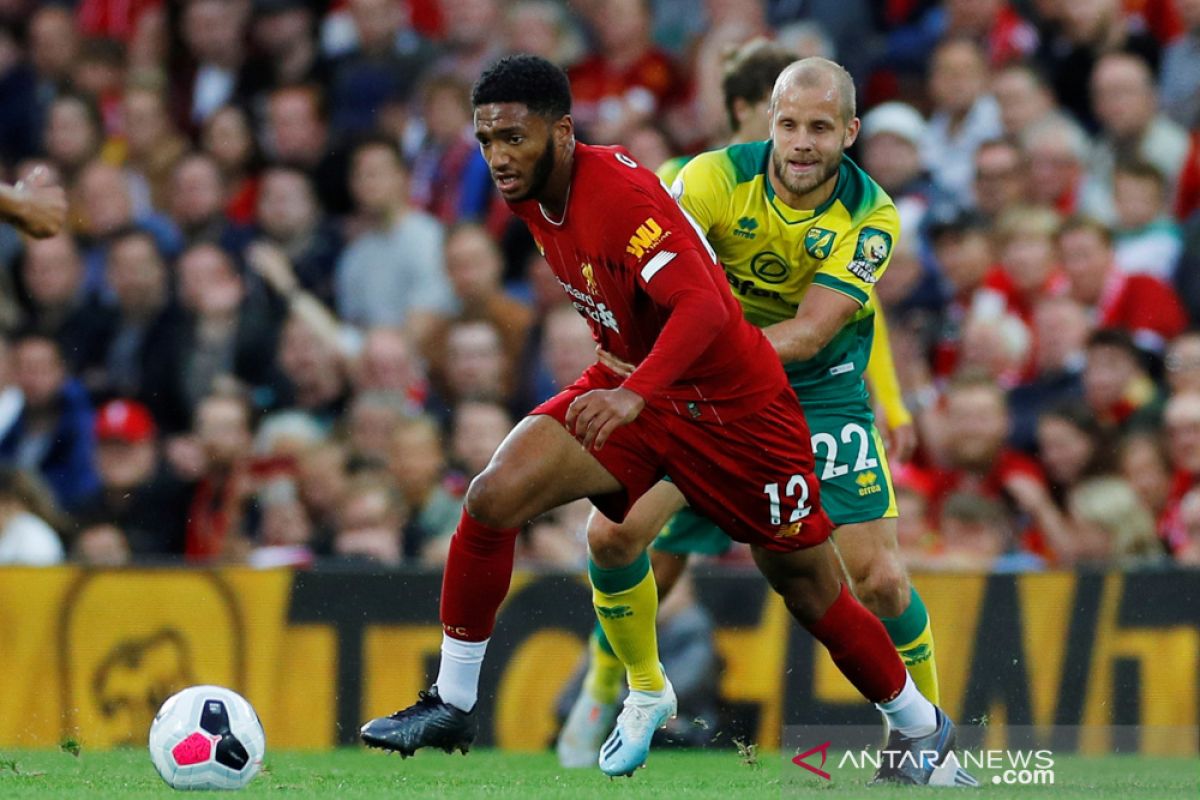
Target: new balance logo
[614,612]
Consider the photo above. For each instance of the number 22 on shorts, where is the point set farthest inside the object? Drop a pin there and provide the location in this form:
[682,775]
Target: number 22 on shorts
[851,433]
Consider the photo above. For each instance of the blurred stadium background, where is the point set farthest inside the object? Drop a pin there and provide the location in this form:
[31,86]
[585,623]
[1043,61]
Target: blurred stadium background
[241,398]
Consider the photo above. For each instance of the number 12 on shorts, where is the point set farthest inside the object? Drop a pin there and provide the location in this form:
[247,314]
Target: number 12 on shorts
[797,488]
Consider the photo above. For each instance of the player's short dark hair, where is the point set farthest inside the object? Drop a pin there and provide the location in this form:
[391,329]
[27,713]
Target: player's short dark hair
[533,81]
[750,72]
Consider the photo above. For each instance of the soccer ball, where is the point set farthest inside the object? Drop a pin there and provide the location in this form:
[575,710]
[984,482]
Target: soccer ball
[207,737]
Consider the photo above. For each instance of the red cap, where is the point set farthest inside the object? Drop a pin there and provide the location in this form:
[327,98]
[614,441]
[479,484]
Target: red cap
[126,420]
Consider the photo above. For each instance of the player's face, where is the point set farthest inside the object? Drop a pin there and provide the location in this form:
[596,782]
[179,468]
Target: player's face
[520,147]
[808,138]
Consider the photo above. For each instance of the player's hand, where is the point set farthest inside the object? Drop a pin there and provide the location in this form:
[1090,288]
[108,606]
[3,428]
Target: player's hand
[622,368]
[594,415]
[901,442]
[41,208]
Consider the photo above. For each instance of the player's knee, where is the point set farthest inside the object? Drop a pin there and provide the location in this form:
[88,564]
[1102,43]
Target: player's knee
[609,542]
[490,504]
[884,590]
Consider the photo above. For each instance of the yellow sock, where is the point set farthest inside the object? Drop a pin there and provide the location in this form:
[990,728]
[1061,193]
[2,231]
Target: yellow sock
[626,603]
[918,657]
[605,670]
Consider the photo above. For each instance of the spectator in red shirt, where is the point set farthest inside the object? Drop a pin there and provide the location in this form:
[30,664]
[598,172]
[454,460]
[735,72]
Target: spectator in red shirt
[216,509]
[1025,245]
[962,250]
[1141,304]
[967,437]
[628,81]
[1116,387]
[228,136]
[141,25]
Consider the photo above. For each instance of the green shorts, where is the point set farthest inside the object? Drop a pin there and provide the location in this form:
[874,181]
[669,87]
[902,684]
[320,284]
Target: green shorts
[690,532]
[856,484]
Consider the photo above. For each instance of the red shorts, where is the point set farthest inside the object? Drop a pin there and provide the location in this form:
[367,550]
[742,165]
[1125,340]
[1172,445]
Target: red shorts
[752,477]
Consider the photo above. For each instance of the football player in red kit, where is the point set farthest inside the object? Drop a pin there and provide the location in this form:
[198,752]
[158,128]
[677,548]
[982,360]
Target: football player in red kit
[708,404]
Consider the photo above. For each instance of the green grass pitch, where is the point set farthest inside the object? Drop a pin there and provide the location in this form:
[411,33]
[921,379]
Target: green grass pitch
[724,774]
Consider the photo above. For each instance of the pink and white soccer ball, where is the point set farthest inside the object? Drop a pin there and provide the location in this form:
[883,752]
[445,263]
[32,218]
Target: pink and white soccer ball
[207,737]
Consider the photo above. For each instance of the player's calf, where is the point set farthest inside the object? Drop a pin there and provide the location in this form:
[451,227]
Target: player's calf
[884,588]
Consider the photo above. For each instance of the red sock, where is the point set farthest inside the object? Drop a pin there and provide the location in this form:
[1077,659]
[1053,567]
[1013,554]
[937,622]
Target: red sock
[475,583]
[860,647]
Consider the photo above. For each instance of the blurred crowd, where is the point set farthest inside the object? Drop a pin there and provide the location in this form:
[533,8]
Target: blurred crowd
[291,318]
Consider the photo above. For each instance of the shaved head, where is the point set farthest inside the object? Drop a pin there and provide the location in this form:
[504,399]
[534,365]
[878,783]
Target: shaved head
[816,72]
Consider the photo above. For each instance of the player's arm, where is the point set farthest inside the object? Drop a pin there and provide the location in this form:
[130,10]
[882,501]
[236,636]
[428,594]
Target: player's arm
[885,388]
[34,205]
[822,313]
[676,282]
[683,284]
[681,281]
[839,289]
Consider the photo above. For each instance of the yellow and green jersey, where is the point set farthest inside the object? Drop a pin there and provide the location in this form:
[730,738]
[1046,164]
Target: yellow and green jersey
[671,167]
[773,253]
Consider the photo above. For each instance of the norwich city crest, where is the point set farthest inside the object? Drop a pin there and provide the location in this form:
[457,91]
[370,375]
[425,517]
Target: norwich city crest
[818,242]
[874,247]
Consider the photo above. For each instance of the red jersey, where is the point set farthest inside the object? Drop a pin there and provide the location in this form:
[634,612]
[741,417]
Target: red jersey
[1143,305]
[1172,527]
[650,83]
[1007,464]
[652,290]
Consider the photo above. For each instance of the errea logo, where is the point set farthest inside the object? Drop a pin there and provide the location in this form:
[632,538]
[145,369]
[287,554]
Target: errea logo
[746,227]
[646,237]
